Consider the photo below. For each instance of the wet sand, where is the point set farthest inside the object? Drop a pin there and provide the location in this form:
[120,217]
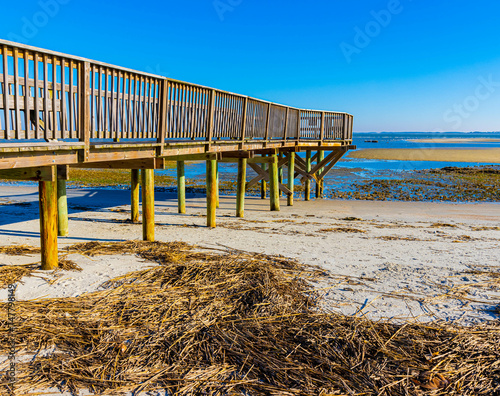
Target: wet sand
[446,155]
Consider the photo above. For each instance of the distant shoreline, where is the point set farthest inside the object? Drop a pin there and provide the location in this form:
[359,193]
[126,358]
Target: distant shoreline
[489,155]
[456,140]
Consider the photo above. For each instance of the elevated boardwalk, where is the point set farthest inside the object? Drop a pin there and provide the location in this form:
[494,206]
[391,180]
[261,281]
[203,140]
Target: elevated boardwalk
[59,111]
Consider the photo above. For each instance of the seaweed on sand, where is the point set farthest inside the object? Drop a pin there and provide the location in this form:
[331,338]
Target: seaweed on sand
[233,323]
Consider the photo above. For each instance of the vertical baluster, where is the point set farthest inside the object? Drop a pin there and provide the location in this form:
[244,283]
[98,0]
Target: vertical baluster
[124,109]
[129,107]
[17,124]
[133,109]
[71,103]
[46,97]
[54,98]
[112,123]
[100,120]
[6,91]
[37,96]
[93,104]
[106,104]
[63,99]
[27,94]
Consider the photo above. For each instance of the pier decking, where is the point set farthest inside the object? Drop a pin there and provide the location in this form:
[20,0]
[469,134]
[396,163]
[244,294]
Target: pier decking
[59,111]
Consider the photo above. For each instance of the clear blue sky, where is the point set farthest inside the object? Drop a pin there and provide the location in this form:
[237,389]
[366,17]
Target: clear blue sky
[407,65]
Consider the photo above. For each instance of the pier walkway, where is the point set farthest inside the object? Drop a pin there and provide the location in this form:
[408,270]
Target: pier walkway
[59,111]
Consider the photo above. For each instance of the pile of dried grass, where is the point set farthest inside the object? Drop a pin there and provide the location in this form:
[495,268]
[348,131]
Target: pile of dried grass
[228,324]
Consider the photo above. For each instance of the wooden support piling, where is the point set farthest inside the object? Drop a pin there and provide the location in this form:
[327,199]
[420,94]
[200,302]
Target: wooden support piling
[240,189]
[134,195]
[62,209]
[211,192]
[47,191]
[280,173]
[307,182]
[320,183]
[148,205]
[217,200]
[291,178]
[181,187]
[263,184]
[274,184]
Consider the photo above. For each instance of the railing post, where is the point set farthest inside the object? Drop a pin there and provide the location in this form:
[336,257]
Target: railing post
[298,126]
[322,128]
[266,137]
[286,124]
[210,132]
[351,124]
[244,119]
[84,107]
[162,122]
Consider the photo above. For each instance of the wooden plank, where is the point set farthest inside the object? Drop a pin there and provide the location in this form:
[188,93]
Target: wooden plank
[181,187]
[193,157]
[37,159]
[240,187]
[134,195]
[47,191]
[237,154]
[44,173]
[146,163]
[148,205]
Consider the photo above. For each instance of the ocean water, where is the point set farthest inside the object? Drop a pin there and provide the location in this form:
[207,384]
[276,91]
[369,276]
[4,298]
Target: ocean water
[354,169]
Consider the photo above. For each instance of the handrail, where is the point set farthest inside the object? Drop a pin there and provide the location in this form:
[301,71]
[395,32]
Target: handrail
[50,95]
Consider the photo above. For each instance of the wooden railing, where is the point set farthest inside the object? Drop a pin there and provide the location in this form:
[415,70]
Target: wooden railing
[48,95]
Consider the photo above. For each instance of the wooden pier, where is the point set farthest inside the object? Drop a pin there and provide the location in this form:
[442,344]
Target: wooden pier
[59,112]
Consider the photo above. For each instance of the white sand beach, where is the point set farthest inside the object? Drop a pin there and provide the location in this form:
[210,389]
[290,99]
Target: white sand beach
[399,260]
